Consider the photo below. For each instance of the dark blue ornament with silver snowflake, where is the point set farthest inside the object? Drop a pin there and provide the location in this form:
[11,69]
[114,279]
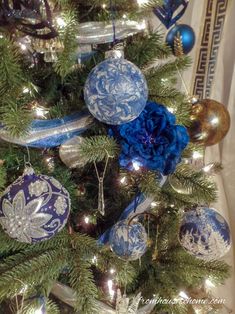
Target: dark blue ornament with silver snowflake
[181,38]
[129,242]
[171,11]
[205,234]
[116,91]
[34,208]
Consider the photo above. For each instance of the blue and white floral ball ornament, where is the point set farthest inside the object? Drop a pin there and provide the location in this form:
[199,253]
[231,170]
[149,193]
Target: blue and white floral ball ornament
[205,234]
[34,208]
[128,242]
[116,91]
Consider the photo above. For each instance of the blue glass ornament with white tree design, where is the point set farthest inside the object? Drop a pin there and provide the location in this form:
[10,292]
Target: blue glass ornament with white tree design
[205,234]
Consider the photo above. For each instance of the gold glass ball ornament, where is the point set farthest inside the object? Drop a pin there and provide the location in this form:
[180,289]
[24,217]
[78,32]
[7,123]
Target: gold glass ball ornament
[210,122]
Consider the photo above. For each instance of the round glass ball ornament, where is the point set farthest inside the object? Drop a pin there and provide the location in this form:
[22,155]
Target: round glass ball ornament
[116,91]
[210,122]
[34,208]
[181,39]
[205,234]
[129,242]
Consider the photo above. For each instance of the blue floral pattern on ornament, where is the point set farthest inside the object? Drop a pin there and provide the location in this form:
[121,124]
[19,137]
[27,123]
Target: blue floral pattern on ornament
[129,242]
[34,208]
[116,91]
[152,141]
[205,234]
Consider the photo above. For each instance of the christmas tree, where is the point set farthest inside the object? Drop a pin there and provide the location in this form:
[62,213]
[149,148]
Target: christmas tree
[97,227]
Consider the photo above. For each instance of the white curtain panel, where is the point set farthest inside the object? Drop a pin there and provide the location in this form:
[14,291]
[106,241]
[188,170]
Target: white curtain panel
[222,89]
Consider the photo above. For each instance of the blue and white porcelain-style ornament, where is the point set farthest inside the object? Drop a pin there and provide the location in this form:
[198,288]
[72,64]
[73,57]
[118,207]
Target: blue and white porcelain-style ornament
[205,234]
[34,208]
[116,91]
[129,242]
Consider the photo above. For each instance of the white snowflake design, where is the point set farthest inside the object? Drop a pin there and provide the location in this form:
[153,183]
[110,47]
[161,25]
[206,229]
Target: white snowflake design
[37,188]
[24,222]
[60,205]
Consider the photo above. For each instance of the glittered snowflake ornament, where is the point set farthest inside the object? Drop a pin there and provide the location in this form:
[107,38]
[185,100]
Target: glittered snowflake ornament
[34,208]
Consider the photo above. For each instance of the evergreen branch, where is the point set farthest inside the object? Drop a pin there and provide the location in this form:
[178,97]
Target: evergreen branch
[66,59]
[82,281]
[15,119]
[98,148]
[3,176]
[11,74]
[203,189]
[149,184]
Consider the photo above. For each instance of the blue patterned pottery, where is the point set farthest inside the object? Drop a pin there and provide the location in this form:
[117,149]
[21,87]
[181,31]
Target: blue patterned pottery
[116,91]
[34,208]
[129,242]
[205,234]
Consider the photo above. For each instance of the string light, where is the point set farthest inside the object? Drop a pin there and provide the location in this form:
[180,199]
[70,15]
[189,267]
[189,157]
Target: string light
[208,168]
[183,295]
[87,220]
[94,260]
[23,46]
[112,271]
[209,284]
[38,311]
[60,21]
[26,90]
[110,287]
[197,155]
[123,180]
[104,6]
[153,204]
[24,289]
[136,165]
[142,2]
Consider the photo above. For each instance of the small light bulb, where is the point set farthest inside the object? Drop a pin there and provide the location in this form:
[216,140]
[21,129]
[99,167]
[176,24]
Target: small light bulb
[141,2]
[103,5]
[124,16]
[23,46]
[123,180]
[208,168]
[136,165]
[215,121]
[183,295]
[60,21]
[197,155]
[153,204]
[110,287]
[87,220]
[172,110]
[142,25]
[209,284]
[94,260]
[112,271]
[26,90]
[38,311]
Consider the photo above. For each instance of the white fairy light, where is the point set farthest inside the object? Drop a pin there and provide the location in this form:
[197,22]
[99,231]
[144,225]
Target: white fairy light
[23,46]
[124,16]
[172,110]
[136,165]
[110,287]
[24,289]
[215,121]
[142,25]
[208,168]
[112,271]
[87,220]
[197,155]
[104,6]
[40,112]
[60,21]
[26,90]
[94,260]
[209,284]
[153,204]
[123,180]
[142,2]
[38,311]
[183,295]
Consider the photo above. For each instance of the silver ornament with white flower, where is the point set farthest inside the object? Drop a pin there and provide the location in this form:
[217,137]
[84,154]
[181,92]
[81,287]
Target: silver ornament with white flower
[34,208]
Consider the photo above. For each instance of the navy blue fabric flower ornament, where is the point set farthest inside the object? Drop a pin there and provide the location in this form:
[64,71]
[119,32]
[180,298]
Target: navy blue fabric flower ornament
[153,140]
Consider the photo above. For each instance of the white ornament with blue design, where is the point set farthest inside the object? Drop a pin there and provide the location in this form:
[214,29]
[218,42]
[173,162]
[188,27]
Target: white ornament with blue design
[116,91]
[128,241]
[34,208]
[205,234]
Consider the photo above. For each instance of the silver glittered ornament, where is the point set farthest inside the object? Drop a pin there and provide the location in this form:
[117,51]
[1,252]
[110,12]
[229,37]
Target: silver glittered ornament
[70,153]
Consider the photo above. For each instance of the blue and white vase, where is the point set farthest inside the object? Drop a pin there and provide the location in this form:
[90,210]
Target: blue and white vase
[34,208]
[129,242]
[205,234]
[116,91]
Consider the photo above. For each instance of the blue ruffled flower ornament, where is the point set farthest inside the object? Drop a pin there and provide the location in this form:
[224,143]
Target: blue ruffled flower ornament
[153,140]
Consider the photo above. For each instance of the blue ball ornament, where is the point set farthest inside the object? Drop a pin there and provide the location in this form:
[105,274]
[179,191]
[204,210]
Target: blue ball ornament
[116,91]
[128,242]
[185,34]
[34,208]
[205,234]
